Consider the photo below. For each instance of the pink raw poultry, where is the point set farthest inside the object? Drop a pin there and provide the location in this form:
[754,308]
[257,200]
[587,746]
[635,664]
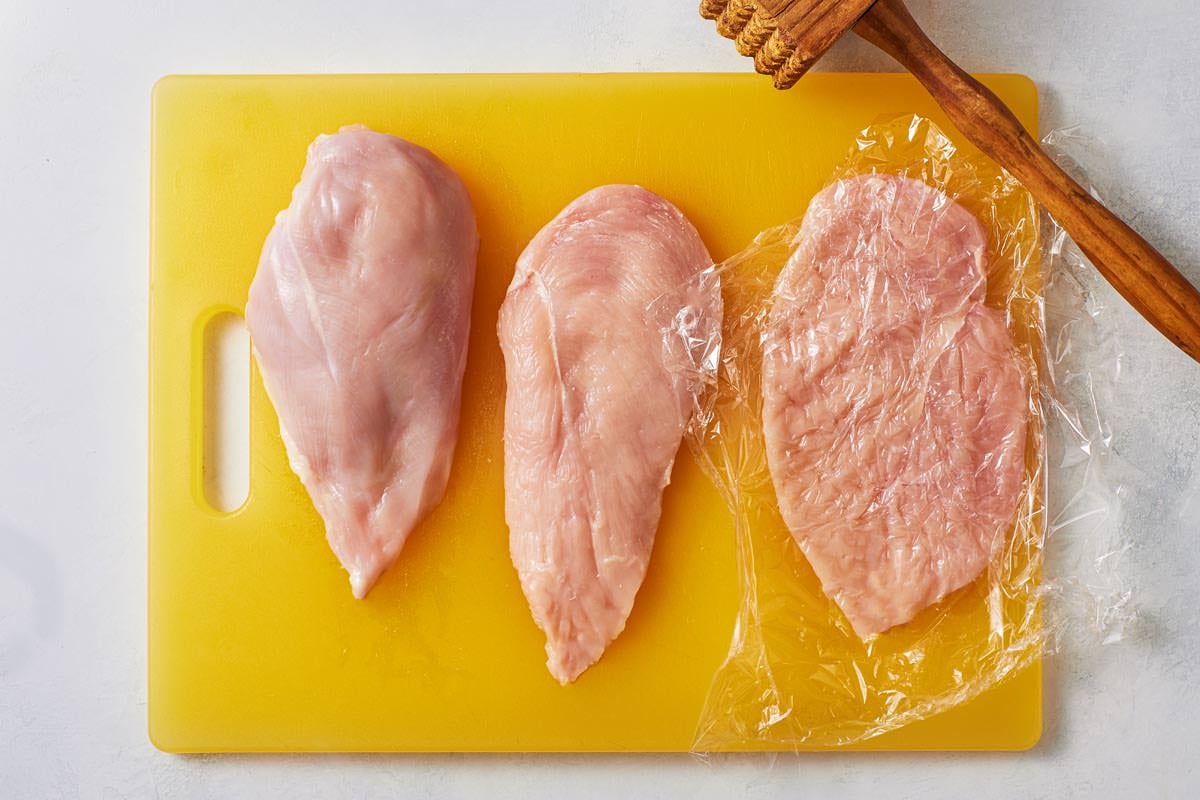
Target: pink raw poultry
[359,315]
[597,404]
[894,408]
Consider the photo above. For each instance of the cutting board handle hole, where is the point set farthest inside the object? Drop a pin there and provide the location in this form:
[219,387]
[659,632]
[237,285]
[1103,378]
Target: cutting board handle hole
[226,458]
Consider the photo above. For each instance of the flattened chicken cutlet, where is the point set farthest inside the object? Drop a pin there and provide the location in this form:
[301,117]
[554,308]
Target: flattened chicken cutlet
[894,407]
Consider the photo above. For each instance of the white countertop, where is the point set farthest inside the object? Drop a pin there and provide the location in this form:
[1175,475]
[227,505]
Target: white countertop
[74,111]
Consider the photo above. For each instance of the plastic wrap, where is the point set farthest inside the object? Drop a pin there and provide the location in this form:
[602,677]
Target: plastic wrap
[908,436]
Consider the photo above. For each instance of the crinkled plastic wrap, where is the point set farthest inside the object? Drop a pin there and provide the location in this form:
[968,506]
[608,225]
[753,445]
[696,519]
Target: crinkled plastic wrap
[906,434]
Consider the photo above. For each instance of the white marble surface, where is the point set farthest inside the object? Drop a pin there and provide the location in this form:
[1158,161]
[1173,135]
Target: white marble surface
[74,104]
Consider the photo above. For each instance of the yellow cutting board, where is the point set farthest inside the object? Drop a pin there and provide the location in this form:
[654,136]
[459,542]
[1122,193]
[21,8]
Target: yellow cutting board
[255,642]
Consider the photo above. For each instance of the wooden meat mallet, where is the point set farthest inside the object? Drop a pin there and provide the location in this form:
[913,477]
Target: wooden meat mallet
[786,37]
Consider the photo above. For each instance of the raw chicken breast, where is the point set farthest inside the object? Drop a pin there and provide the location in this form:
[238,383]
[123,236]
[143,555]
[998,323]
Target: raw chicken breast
[359,314]
[597,404]
[894,407]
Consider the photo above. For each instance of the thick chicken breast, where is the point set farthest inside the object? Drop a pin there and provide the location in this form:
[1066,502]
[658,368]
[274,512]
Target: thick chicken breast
[359,315]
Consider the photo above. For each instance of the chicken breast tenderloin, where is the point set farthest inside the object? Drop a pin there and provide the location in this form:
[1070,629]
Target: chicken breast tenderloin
[359,315]
[894,407]
[596,407]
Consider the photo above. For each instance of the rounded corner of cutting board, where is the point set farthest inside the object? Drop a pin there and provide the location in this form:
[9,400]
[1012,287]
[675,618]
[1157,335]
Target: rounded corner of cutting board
[163,737]
[1022,90]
